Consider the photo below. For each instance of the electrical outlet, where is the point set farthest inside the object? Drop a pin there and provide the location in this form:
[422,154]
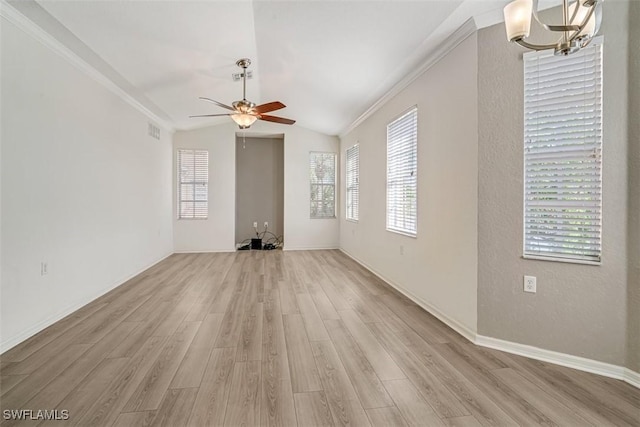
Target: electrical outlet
[255,224]
[266,224]
[401,250]
[530,284]
[44,269]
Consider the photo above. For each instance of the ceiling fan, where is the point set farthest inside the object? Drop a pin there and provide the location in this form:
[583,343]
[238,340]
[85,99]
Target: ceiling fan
[245,113]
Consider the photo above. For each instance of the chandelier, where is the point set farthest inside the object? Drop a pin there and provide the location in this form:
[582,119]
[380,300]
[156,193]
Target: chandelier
[580,23]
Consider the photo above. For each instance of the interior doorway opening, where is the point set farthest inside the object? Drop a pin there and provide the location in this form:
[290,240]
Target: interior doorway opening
[259,190]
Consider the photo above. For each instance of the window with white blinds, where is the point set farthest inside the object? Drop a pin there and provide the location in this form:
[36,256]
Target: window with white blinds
[322,176]
[193,184]
[563,155]
[402,173]
[353,182]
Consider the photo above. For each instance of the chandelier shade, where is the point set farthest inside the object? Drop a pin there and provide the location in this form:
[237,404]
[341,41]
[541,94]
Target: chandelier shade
[517,19]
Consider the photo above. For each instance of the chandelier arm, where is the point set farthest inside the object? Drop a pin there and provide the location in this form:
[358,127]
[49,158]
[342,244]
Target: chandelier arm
[562,28]
[532,46]
[548,27]
[534,10]
[581,27]
[586,43]
[565,27]
[575,11]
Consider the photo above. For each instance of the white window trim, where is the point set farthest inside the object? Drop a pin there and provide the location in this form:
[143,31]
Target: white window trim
[357,183]
[335,185]
[559,258]
[179,201]
[407,233]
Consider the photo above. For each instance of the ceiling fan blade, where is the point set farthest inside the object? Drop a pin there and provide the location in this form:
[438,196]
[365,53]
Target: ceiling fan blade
[219,104]
[276,119]
[270,106]
[210,115]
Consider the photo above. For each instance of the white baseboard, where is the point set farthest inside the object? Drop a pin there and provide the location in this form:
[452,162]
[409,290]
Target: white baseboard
[430,308]
[76,305]
[315,248]
[207,251]
[562,359]
[632,377]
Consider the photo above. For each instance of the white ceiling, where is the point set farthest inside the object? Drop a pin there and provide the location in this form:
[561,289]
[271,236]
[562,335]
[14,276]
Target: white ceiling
[328,61]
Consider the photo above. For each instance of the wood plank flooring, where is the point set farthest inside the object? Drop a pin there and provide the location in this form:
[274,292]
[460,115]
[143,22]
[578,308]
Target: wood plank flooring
[283,339]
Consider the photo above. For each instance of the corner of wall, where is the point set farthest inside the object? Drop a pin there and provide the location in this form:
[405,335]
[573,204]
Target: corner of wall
[90,233]
[633,224]
[578,310]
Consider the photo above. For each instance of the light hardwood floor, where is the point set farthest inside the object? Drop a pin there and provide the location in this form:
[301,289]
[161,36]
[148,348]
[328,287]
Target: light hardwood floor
[285,338]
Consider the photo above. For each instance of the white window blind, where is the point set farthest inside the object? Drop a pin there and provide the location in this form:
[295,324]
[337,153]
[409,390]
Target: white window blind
[402,171]
[353,182]
[193,184]
[563,154]
[322,174]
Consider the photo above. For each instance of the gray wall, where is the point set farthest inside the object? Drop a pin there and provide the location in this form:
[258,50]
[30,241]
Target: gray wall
[578,309]
[633,301]
[259,185]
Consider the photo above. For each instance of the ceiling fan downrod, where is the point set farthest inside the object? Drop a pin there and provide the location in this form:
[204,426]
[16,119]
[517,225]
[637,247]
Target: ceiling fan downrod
[244,106]
[244,64]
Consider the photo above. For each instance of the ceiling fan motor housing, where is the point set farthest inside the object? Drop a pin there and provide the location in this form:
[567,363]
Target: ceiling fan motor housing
[244,106]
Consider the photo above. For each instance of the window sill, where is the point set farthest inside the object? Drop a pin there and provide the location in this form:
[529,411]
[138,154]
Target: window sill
[565,260]
[322,217]
[402,233]
[355,221]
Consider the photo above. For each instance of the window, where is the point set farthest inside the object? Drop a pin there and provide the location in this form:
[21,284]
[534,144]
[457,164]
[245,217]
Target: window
[322,173]
[353,184]
[193,184]
[402,171]
[563,155]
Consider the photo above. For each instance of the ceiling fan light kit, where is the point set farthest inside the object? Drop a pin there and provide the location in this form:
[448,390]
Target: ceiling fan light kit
[245,113]
[580,23]
[244,121]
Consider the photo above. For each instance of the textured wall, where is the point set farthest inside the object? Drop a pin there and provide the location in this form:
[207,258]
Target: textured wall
[578,309]
[259,185]
[633,302]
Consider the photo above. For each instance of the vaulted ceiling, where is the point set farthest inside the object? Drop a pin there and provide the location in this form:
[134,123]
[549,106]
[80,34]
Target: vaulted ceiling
[328,61]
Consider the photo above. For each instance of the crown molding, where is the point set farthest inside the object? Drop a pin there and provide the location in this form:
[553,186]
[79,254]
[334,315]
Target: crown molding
[457,37]
[16,18]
